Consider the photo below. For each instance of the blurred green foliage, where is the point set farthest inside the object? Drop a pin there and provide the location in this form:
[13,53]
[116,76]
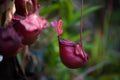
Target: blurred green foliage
[101,40]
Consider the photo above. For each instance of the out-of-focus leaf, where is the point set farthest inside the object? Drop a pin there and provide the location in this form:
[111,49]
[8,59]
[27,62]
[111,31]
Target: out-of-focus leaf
[70,9]
[77,37]
[110,77]
[49,9]
[19,58]
[87,10]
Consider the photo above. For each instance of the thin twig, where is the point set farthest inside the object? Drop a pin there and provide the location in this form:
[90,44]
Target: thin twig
[91,69]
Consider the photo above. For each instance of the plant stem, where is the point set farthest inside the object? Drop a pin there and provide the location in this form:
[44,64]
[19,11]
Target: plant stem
[81,23]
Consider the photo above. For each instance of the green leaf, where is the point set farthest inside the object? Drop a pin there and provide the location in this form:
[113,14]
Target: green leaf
[49,9]
[87,10]
[19,58]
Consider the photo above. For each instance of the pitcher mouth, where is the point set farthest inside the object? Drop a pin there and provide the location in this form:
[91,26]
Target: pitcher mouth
[66,42]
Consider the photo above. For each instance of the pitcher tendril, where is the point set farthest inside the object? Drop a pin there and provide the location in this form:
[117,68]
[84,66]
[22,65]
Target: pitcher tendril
[81,22]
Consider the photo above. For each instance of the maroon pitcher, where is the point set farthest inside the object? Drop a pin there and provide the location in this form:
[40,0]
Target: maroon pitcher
[72,54]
